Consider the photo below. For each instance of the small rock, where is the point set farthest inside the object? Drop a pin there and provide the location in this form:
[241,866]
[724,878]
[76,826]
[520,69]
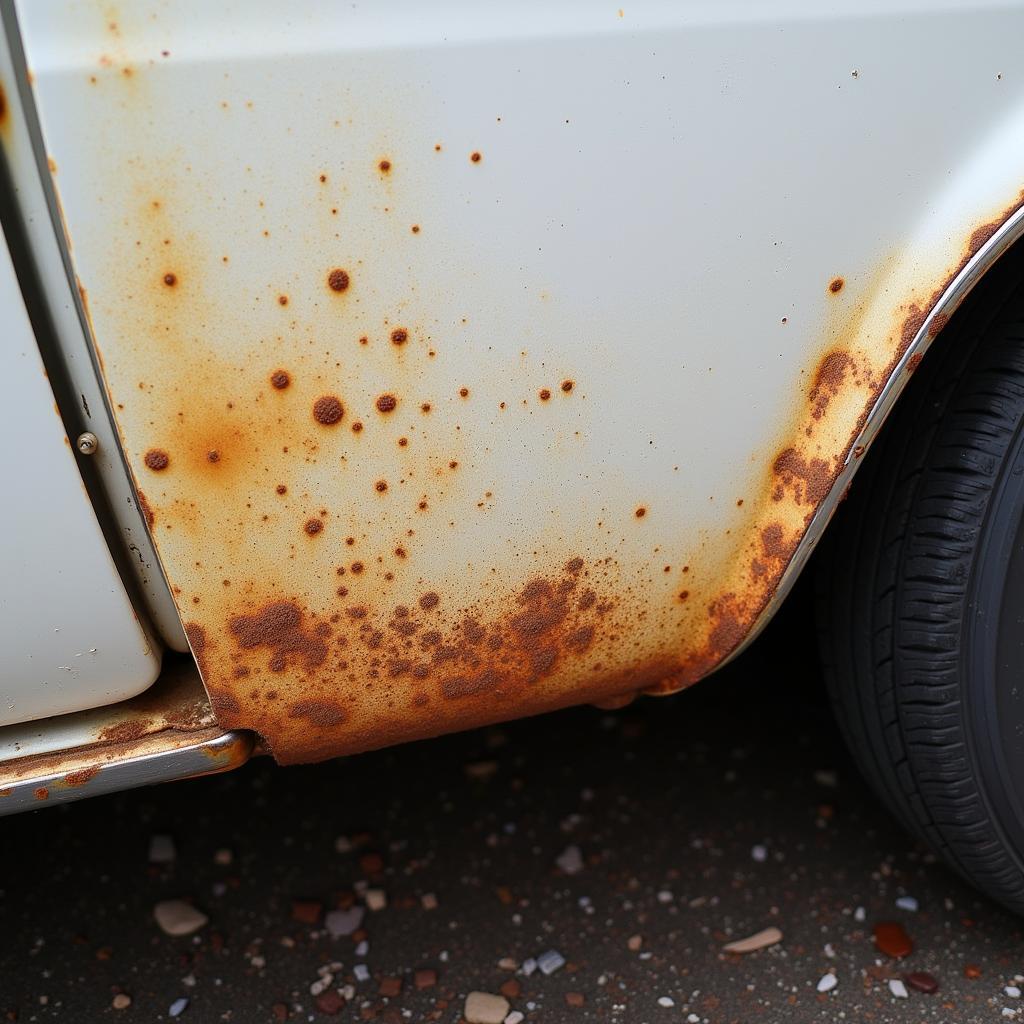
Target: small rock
[161,850]
[972,971]
[390,987]
[485,1008]
[121,1001]
[1009,1012]
[759,853]
[827,982]
[575,999]
[898,989]
[759,940]
[306,911]
[907,903]
[666,1001]
[570,860]
[529,966]
[634,943]
[424,978]
[892,939]
[376,899]
[428,901]
[550,961]
[1012,991]
[506,963]
[330,1002]
[860,915]
[515,1017]
[510,989]
[344,922]
[178,1007]
[922,981]
[176,917]
[361,972]
[224,857]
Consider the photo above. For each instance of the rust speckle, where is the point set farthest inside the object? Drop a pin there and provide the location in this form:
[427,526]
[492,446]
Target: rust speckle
[828,381]
[464,392]
[640,512]
[476,157]
[384,166]
[544,394]
[127,731]
[170,279]
[313,526]
[807,478]
[356,427]
[279,628]
[282,300]
[42,793]
[156,459]
[338,280]
[280,379]
[567,386]
[914,361]
[324,714]
[387,403]
[82,776]
[281,489]
[835,286]
[328,410]
[425,407]
[429,600]
[147,511]
[380,486]
[399,336]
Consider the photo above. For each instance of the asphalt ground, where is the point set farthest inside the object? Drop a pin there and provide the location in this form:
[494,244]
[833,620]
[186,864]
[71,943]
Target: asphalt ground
[634,845]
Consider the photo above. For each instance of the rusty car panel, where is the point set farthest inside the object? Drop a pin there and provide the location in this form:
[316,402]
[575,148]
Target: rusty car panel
[465,376]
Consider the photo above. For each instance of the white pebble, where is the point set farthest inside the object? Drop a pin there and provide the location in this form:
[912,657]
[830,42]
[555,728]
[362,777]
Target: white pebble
[515,1017]
[665,896]
[361,972]
[363,948]
[176,917]
[907,903]
[485,1008]
[343,922]
[759,853]
[1008,1011]
[827,982]
[666,1001]
[550,961]
[178,1007]
[1012,991]
[529,966]
[161,850]
[570,860]
[376,899]
[428,901]
[860,915]
[897,988]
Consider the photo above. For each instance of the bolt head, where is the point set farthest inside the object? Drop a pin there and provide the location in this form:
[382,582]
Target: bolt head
[87,443]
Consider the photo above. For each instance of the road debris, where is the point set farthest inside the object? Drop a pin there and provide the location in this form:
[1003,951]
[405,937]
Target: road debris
[759,940]
[176,917]
[485,1008]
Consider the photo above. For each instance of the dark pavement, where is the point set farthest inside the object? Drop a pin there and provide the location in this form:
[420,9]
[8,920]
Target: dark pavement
[699,819]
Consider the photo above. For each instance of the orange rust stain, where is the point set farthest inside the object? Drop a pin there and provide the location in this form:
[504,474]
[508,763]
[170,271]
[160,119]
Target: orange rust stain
[835,286]
[544,394]
[82,776]
[280,379]
[828,381]
[146,510]
[640,512]
[387,403]
[567,386]
[399,336]
[156,459]
[476,157]
[328,410]
[914,361]
[384,166]
[42,793]
[338,280]
[125,732]
[313,526]
[170,279]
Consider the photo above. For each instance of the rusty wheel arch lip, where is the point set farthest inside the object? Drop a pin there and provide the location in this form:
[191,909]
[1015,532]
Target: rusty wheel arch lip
[951,298]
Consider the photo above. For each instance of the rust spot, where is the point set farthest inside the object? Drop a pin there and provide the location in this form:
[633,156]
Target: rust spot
[42,793]
[313,526]
[279,627]
[835,286]
[381,486]
[939,321]
[399,336]
[828,381]
[324,714]
[415,229]
[808,479]
[356,427]
[156,459]
[464,392]
[126,732]
[213,455]
[384,166]
[82,776]
[476,157]
[147,511]
[328,410]
[170,280]
[282,300]
[640,512]
[280,379]
[544,394]
[429,600]
[387,403]
[914,361]
[567,386]
[281,489]
[338,280]
[425,407]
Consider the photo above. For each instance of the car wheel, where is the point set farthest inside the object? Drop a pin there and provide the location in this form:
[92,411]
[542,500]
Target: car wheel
[920,598]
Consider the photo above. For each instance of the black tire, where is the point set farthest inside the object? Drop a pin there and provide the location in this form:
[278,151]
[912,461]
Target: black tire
[920,598]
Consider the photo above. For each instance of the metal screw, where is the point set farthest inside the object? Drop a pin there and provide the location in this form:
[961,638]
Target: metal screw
[87,443]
